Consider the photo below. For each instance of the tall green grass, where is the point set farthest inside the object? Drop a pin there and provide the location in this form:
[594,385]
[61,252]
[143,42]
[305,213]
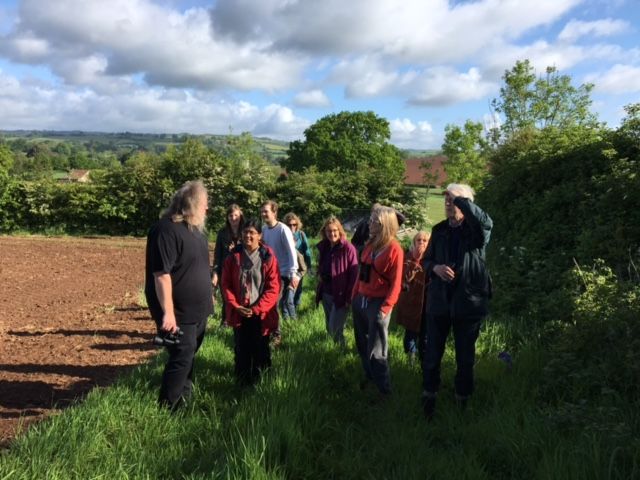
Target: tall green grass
[308,419]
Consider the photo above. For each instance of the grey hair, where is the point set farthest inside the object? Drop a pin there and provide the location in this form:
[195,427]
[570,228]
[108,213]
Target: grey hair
[462,190]
[184,204]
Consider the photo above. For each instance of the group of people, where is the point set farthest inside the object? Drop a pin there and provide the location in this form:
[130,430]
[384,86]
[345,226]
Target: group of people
[440,284]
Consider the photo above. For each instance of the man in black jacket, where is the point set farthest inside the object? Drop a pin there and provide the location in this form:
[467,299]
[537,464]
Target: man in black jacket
[458,294]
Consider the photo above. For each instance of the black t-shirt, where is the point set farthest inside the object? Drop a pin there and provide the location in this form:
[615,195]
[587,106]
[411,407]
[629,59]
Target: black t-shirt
[183,253]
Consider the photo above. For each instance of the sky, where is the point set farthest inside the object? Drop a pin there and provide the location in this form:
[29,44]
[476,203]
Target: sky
[274,67]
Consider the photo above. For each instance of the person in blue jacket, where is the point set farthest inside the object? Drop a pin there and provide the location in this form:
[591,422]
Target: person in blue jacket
[294,223]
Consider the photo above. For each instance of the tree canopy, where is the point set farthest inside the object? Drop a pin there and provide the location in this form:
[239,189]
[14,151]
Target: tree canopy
[547,101]
[466,151]
[347,141]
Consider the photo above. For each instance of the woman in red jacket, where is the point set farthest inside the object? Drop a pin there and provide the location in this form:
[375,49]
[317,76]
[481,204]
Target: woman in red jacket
[250,288]
[375,293]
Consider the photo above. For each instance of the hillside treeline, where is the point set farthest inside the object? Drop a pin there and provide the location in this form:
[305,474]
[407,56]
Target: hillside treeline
[125,196]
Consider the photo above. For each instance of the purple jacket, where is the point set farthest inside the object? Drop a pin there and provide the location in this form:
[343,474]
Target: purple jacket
[344,270]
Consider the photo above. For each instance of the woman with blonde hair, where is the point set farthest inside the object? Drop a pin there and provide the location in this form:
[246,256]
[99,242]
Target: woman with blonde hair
[375,293]
[294,223]
[337,274]
[410,307]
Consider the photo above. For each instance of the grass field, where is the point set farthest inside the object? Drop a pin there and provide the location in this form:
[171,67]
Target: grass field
[308,419]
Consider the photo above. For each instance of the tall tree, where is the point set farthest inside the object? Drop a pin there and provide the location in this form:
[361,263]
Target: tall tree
[547,101]
[466,151]
[355,144]
[348,141]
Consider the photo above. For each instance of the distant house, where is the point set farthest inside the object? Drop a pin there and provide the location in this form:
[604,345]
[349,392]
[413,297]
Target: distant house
[80,176]
[415,175]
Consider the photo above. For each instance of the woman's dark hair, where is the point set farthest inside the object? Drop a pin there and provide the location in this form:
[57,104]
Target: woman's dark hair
[252,223]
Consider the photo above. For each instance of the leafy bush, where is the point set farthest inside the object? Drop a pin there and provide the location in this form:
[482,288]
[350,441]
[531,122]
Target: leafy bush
[555,196]
[593,365]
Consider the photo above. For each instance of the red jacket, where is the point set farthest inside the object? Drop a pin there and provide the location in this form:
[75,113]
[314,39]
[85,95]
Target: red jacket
[386,275]
[266,308]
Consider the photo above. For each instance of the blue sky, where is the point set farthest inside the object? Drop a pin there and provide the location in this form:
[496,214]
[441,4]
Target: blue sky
[273,67]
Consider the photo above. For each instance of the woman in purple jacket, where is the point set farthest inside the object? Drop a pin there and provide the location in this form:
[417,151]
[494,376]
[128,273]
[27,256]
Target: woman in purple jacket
[337,274]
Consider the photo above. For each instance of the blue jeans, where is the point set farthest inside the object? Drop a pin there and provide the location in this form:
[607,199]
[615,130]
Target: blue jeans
[434,338]
[286,299]
[298,294]
[410,342]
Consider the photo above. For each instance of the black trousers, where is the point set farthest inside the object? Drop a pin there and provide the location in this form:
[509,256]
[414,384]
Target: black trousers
[252,354]
[434,338]
[177,378]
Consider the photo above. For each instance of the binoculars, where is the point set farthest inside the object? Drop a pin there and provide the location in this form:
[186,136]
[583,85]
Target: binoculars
[166,339]
[364,275]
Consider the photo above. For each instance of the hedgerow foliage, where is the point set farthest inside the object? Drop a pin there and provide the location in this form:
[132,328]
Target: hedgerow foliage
[128,199]
[564,255]
[592,370]
[560,197]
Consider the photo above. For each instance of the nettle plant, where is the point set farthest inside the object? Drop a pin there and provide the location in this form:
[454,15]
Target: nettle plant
[598,353]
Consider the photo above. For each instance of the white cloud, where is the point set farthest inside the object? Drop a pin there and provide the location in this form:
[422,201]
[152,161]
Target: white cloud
[617,80]
[543,54]
[312,99]
[150,65]
[412,30]
[444,86]
[365,76]
[407,134]
[150,110]
[279,122]
[26,48]
[598,28]
[167,47]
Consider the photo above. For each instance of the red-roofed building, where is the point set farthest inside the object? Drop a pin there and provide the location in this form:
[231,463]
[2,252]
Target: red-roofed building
[415,175]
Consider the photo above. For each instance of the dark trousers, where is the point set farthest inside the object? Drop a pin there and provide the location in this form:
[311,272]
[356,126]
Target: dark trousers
[372,340]
[434,338]
[252,354]
[177,378]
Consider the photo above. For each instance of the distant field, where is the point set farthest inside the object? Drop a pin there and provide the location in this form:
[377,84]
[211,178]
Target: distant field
[433,203]
[156,141]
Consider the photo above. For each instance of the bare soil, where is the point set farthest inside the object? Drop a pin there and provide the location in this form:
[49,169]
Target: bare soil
[70,320]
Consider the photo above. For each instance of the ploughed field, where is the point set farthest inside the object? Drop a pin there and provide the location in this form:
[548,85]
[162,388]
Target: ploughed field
[70,321]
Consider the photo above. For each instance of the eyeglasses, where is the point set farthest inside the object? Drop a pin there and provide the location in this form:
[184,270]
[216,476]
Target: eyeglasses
[293,224]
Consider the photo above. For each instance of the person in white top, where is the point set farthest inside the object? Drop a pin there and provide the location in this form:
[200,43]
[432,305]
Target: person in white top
[279,237]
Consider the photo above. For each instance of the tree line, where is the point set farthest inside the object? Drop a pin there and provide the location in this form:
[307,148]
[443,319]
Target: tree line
[126,195]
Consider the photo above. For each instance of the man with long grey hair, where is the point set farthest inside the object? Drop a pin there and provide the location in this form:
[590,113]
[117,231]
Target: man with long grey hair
[459,292]
[178,287]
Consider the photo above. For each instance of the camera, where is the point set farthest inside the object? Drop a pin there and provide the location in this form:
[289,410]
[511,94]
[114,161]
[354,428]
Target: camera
[167,339]
[365,273]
